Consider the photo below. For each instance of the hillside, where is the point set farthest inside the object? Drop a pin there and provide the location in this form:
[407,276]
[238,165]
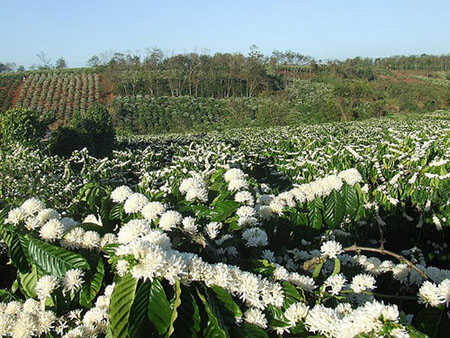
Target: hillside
[183,93]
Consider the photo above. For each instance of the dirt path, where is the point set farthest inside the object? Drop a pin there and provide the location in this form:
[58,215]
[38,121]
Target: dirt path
[17,94]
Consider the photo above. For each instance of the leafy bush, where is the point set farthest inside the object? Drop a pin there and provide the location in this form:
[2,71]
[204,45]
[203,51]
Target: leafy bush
[96,130]
[65,140]
[92,129]
[23,126]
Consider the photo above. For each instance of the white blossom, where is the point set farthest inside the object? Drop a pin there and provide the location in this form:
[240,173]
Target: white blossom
[120,194]
[331,249]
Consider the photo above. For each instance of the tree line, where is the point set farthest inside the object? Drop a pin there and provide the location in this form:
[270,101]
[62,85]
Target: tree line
[223,75]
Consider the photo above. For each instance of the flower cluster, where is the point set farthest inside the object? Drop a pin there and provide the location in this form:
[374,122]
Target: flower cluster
[194,188]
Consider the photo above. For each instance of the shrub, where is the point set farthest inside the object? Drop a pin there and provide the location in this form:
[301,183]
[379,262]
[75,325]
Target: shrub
[23,126]
[64,141]
[92,129]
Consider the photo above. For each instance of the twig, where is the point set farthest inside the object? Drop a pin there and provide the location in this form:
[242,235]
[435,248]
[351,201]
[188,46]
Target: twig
[381,295]
[383,251]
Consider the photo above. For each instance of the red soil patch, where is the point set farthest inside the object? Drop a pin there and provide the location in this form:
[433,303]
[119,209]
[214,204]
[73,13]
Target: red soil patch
[17,94]
[108,90]
[412,80]
[397,76]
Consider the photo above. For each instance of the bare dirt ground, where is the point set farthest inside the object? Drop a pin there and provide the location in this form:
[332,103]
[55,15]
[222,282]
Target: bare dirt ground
[17,94]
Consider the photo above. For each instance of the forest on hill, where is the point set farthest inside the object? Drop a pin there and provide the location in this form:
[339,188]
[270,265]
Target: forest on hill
[158,93]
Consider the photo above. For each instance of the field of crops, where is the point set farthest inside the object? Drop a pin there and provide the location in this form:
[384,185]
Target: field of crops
[336,230]
[8,86]
[61,92]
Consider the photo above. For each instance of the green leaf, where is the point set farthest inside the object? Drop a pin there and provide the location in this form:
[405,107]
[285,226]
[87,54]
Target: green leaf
[176,302]
[53,259]
[7,296]
[92,283]
[277,318]
[413,333]
[115,212]
[3,215]
[227,300]
[110,249]
[189,319]
[93,227]
[337,267]
[139,309]
[315,208]
[433,322]
[298,218]
[251,330]
[298,329]
[223,210]
[351,200]
[317,270]
[27,282]
[16,245]
[159,309]
[120,305]
[334,209]
[291,294]
[214,327]
[17,251]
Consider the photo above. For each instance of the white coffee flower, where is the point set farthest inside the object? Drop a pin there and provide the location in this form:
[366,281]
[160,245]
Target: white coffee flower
[120,194]
[122,267]
[350,176]
[91,240]
[244,197]
[255,237]
[170,219]
[362,282]
[52,230]
[132,230]
[46,285]
[255,317]
[234,174]
[72,280]
[189,225]
[135,203]
[236,185]
[16,215]
[331,249]
[296,312]
[194,188]
[151,211]
[336,283]
[429,294]
[47,214]
[32,206]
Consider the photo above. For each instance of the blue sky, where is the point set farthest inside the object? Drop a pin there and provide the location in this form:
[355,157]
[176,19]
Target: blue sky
[324,29]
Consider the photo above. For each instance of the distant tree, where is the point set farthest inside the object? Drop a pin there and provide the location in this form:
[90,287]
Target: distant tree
[94,61]
[154,57]
[61,63]
[6,67]
[45,61]
[21,69]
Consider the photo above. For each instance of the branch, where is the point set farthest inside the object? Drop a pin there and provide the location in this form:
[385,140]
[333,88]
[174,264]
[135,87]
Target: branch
[382,251]
[381,295]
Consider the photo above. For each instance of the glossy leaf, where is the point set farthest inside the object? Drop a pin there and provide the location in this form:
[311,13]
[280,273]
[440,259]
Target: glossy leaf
[53,259]
[120,306]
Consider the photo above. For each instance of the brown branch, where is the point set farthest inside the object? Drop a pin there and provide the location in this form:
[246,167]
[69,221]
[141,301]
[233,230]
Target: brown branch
[383,251]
